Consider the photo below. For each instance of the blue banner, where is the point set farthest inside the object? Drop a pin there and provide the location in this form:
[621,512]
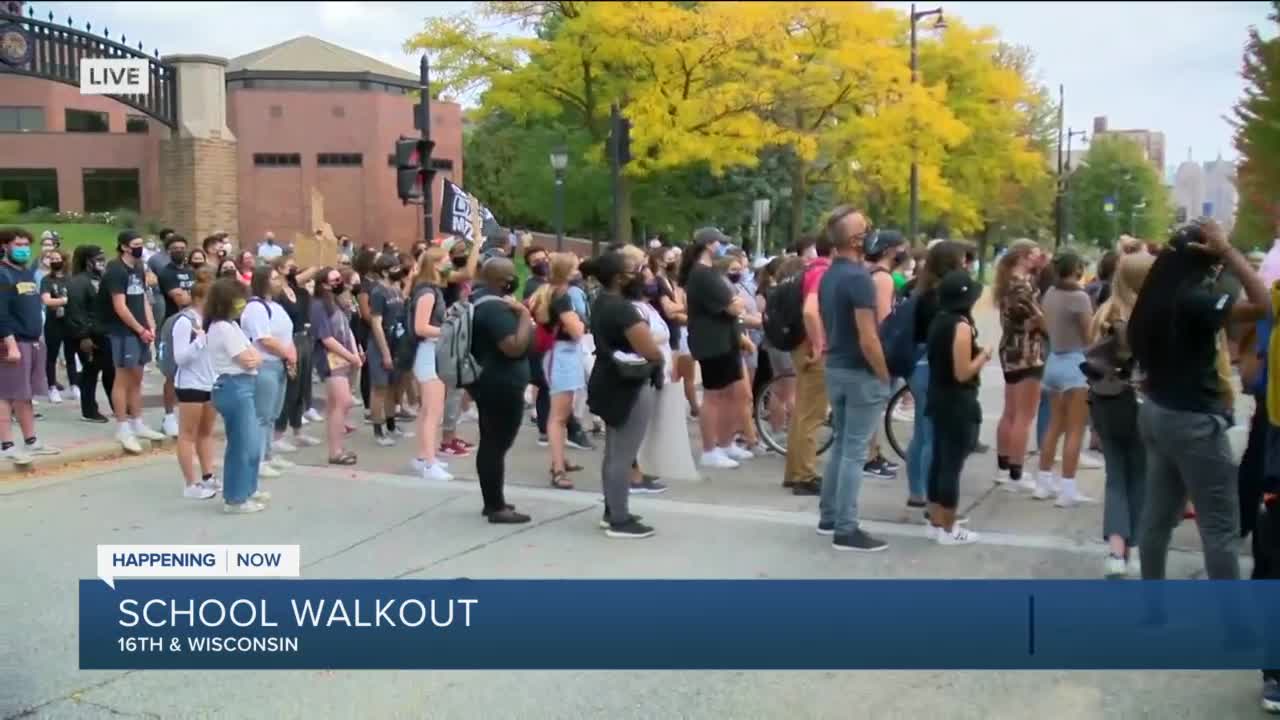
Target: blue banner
[678,624]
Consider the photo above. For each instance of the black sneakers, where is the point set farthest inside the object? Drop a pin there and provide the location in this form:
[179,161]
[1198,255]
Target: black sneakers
[858,541]
[604,520]
[630,529]
[649,485]
[507,516]
[810,487]
[826,528]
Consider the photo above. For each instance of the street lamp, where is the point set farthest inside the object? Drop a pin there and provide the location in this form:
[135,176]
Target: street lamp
[559,161]
[939,24]
[1064,182]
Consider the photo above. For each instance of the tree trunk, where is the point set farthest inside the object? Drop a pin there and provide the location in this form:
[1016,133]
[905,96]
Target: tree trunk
[983,242]
[799,198]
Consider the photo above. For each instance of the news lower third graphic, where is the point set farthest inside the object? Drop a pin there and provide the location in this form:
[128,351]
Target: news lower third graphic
[238,607]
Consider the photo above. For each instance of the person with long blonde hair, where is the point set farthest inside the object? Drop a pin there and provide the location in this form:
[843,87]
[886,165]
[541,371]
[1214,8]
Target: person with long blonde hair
[1113,407]
[426,315]
[1022,357]
[552,310]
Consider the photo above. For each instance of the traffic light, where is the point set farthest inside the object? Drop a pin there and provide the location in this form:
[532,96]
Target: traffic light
[413,168]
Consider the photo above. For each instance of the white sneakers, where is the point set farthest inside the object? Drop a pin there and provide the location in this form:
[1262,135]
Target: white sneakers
[312,415]
[283,446]
[280,463]
[436,471]
[17,455]
[199,491]
[1089,461]
[248,506]
[128,441]
[717,459]
[261,496]
[170,426]
[55,397]
[1069,495]
[266,471]
[301,440]
[1045,485]
[1114,567]
[142,431]
[384,441]
[736,452]
[959,535]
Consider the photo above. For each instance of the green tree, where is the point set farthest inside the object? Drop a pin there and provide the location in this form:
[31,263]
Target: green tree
[1116,191]
[1256,118]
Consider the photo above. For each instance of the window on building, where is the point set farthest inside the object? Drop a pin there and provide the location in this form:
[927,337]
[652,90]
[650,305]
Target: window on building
[340,159]
[277,159]
[87,121]
[111,189]
[21,119]
[32,188]
[136,124]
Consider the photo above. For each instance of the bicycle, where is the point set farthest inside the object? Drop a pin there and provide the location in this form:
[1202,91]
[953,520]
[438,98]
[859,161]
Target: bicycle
[899,421]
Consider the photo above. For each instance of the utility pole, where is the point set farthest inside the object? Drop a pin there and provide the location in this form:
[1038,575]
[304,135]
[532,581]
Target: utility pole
[429,174]
[914,218]
[1058,201]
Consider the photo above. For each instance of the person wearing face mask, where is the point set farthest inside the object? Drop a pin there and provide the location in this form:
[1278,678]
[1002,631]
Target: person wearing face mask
[386,331]
[296,301]
[53,291]
[130,329]
[539,265]
[464,262]
[214,250]
[335,356]
[268,249]
[751,323]
[270,329]
[425,316]
[502,331]
[175,279]
[22,367]
[85,328]
[552,309]
[197,260]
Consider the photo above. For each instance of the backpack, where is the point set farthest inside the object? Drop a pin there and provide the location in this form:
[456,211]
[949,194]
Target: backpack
[164,345]
[455,364]
[1105,366]
[897,337]
[784,314]
[407,347]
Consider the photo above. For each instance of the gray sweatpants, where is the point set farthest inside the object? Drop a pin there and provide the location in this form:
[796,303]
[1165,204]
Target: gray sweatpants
[452,409]
[1188,455]
[621,444]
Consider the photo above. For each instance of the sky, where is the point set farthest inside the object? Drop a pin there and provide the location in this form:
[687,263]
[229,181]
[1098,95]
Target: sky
[1171,66]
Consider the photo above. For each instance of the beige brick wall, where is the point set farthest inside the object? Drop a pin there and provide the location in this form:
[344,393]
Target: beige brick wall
[199,182]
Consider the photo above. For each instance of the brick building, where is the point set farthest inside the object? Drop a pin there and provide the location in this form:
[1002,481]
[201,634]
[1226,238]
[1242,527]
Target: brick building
[249,139]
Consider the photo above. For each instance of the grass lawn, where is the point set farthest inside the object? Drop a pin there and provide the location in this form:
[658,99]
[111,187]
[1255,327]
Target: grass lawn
[77,234]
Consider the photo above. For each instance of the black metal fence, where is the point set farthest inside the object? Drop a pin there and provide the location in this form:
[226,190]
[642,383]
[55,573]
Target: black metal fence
[54,52]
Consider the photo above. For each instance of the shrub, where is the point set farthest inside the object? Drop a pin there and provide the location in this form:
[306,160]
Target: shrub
[39,215]
[9,211]
[122,218]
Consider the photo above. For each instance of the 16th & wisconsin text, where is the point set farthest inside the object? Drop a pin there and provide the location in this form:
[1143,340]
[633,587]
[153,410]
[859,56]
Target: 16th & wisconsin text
[243,613]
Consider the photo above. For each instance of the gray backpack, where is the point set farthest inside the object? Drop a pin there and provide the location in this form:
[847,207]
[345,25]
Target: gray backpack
[164,344]
[455,364]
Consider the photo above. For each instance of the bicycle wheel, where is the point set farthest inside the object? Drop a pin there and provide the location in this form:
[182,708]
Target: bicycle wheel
[900,420]
[774,426]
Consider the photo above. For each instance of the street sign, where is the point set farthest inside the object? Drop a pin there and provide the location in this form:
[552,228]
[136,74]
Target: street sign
[760,210]
[1109,205]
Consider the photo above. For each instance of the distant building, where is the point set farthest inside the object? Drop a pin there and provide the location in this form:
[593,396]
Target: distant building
[1150,141]
[1206,189]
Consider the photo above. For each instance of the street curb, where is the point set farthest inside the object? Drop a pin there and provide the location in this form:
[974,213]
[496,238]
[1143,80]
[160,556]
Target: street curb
[89,452]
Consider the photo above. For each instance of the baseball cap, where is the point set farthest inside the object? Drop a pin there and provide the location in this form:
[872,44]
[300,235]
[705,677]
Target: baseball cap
[127,236]
[879,241]
[708,235]
[958,291]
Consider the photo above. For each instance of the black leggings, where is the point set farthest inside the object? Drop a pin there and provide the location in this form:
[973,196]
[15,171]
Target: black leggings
[360,331]
[953,440]
[295,395]
[500,411]
[93,364]
[55,337]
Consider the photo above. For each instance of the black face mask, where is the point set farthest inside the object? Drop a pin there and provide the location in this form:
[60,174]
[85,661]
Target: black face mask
[97,266]
[459,262]
[509,288]
[292,276]
[735,278]
[56,266]
[634,289]
[178,256]
[396,275]
[540,268]
[135,251]
[338,288]
[673,267]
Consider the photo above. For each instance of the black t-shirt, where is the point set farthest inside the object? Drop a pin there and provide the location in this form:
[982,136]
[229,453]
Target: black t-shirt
[120,279]
[1182,372]
[949,398]
[387,303]
[609,395]
[926,310]
[493,322]
[172,277]
[713,332]
[298,311]
[560,304]
[20,303]
[56,287]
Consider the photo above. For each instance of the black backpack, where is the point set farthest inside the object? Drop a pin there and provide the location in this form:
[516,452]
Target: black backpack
[784,313]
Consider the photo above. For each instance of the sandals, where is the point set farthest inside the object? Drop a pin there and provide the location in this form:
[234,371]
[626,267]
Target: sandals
[560,480]
[346,458]
[570,467]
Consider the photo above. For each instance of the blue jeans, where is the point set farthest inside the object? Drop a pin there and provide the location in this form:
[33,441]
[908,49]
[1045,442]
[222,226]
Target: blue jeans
[233,399]
[268,401]
[858,399]
[920,450]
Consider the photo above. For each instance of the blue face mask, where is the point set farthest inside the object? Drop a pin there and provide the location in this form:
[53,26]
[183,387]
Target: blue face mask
[21,254]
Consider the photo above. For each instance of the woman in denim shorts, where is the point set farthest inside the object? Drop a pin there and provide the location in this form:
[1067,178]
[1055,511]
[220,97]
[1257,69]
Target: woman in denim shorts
[1068,312]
